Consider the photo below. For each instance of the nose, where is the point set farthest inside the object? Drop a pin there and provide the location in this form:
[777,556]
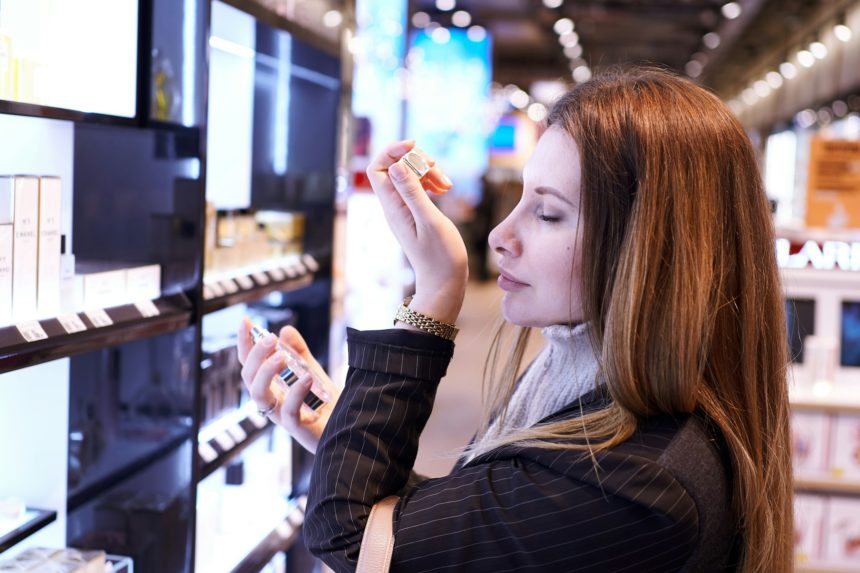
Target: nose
[503,239]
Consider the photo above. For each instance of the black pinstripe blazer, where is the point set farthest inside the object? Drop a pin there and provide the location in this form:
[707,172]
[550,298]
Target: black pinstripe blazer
[658,502]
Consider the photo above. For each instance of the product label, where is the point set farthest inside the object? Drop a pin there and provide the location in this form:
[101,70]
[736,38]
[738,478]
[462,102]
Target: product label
[261,278]
[291,272]
[237,433]
[147,309]
[245,282]
[258,420]
[207,293]
[32,331]
[229,286]
[99,318]
[72,323]
[277,274]
[216,289]
[225,441]
[311,263]
[206,452]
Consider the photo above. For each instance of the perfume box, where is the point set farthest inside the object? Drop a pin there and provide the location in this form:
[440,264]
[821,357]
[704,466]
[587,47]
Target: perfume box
[19,196]
[50,211]
[143,282]
[6,237]
[845,447]
[809,519]
[810,442]
[103,284]
[842,533]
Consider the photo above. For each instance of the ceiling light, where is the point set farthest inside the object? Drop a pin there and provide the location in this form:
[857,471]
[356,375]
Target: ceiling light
[736,106]
[701,57]
[693,68]
[581,74]
[806,118]
[461,18]
[332,19]
[420,19]
[762,88]
[569,39]
[563,25]
[840,108]
[805,58]
[441,35]
[731,10]
[773,79]
[787,70]
[552,3]
[842,32]
[446,5]
[547,91]
[749,96]
[574,51]
[476,33]
[537,112]
[711,40]
[519,99]
[818,49]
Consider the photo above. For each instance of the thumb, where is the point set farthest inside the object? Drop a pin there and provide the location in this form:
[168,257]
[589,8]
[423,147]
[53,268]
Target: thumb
[409,186]
[291,338]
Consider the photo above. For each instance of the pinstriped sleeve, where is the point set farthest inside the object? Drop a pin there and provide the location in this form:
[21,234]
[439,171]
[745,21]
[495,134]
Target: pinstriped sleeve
[368,448]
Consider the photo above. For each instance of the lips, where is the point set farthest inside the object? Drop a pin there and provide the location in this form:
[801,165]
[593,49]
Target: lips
[510,278]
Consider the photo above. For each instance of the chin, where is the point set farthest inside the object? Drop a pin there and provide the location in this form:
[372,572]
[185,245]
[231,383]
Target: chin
[519,315]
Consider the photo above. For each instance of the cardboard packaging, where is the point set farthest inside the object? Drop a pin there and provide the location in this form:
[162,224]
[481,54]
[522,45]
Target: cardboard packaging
[143,283]
[809,516]
[842,533]
[19,196]
[103,284]
[810,442]
[6,238]
[845,447]
[50,212]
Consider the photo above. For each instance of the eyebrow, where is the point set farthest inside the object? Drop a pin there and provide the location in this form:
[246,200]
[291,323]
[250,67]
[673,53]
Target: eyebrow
[554,191]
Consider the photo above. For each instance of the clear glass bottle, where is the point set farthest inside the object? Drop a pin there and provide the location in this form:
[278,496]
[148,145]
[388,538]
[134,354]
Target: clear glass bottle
[296,368]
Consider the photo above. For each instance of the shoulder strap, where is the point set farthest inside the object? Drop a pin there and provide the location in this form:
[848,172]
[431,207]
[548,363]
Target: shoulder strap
[378,541]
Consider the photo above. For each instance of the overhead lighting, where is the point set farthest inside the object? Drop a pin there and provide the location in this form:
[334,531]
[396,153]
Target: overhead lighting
[446,5]
[694,68]
[711,40]
[731,10]
[818,49]
[441,35]
[842,32]
[788,70]
[552,3]
[840,108]
[563,26]
[476,33]
[537,112]
[700,57]
[547,91]
[519,99]
[749,96]
[736,106]
[332,19]
[581,74]
[762,88]
[806,118]
[461,19]
[773,79]
[569,39]
[805,58]
[574,51]
[420,19]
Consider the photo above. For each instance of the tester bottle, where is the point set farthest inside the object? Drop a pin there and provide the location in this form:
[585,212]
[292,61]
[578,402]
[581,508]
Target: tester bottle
[296,368]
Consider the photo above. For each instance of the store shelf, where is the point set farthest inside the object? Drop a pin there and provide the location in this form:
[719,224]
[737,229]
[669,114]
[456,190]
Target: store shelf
[829,405]
[249,286]
[827,485]
[826,569]
[280,539]
[72,334]
[32,521]
[226,438]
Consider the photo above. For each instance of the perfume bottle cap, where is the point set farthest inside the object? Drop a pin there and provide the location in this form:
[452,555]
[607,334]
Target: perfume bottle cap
[258,332]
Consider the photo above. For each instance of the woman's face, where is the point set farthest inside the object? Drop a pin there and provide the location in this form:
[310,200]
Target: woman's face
[539,242]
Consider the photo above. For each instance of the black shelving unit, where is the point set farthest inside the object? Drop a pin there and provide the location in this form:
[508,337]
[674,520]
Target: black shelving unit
[281,539]
[39,519]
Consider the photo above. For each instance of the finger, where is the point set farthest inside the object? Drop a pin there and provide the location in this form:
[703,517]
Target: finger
[291,337]
[410,189]
[258,354]
[291,406]
[245,342]
[439,181]
[262,390]
[391,154]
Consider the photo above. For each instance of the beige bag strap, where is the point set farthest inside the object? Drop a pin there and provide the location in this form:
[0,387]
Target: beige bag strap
[378,541]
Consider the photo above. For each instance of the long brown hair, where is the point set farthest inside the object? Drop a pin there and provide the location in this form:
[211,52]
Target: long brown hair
[680,285]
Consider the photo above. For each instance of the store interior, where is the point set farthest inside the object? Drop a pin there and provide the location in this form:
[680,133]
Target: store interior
[168,167]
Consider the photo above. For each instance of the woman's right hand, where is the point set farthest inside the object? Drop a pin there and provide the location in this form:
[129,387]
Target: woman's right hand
[262,362]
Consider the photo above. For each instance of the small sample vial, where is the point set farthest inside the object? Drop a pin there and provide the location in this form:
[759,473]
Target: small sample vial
[295,369]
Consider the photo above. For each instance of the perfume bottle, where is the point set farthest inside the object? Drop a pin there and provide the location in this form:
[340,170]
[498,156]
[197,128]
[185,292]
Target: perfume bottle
[296,367]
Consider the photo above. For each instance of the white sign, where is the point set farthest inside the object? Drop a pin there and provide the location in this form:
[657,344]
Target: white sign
[147,309]
[99,318]
[32,331]
[72,323]
[828,255]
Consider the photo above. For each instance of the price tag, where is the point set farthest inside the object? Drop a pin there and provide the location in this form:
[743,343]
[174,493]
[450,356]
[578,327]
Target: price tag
[216,289]
[207,293]
[206,452]
[229,286]
[237,433]
[261,278]
[277,274]
[291,272]
[32,331]
[225,441]
[99,318]
[258,420]
[72,323]
[147,309]
[301,269]
[245,282]
[311,263]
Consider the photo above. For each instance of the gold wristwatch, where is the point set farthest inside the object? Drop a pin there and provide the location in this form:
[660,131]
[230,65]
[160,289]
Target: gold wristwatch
[424,322]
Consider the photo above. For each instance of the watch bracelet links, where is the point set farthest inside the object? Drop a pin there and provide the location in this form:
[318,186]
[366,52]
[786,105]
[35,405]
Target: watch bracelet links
[423,322]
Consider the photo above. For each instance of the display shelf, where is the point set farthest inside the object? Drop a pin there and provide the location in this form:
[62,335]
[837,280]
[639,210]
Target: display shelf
[280,539]
[249,285]
[226,438]
[827,485]
[81,332]
[123,458]
[829,404]
[32,521]
[826,569]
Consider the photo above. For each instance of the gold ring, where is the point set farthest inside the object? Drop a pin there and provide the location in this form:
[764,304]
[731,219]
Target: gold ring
[265,412]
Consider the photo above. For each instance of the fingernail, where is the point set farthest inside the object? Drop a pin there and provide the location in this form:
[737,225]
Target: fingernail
[277,357]
[447,181]
[269,340]
[398,172]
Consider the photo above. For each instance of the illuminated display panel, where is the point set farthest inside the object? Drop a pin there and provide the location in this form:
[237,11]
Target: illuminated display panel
[850,334]
[78,55]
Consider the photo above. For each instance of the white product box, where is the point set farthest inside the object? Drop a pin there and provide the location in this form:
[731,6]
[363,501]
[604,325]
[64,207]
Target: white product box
[50,211]
[6,237]
[845,447]
[809,516]
[842,533]
[103,284]
[810,442]
[143,283]
[21,195]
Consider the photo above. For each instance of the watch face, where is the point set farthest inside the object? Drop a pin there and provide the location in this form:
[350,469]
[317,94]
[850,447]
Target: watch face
[416,163]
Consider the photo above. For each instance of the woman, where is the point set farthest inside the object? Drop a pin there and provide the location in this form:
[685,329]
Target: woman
[652,432]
